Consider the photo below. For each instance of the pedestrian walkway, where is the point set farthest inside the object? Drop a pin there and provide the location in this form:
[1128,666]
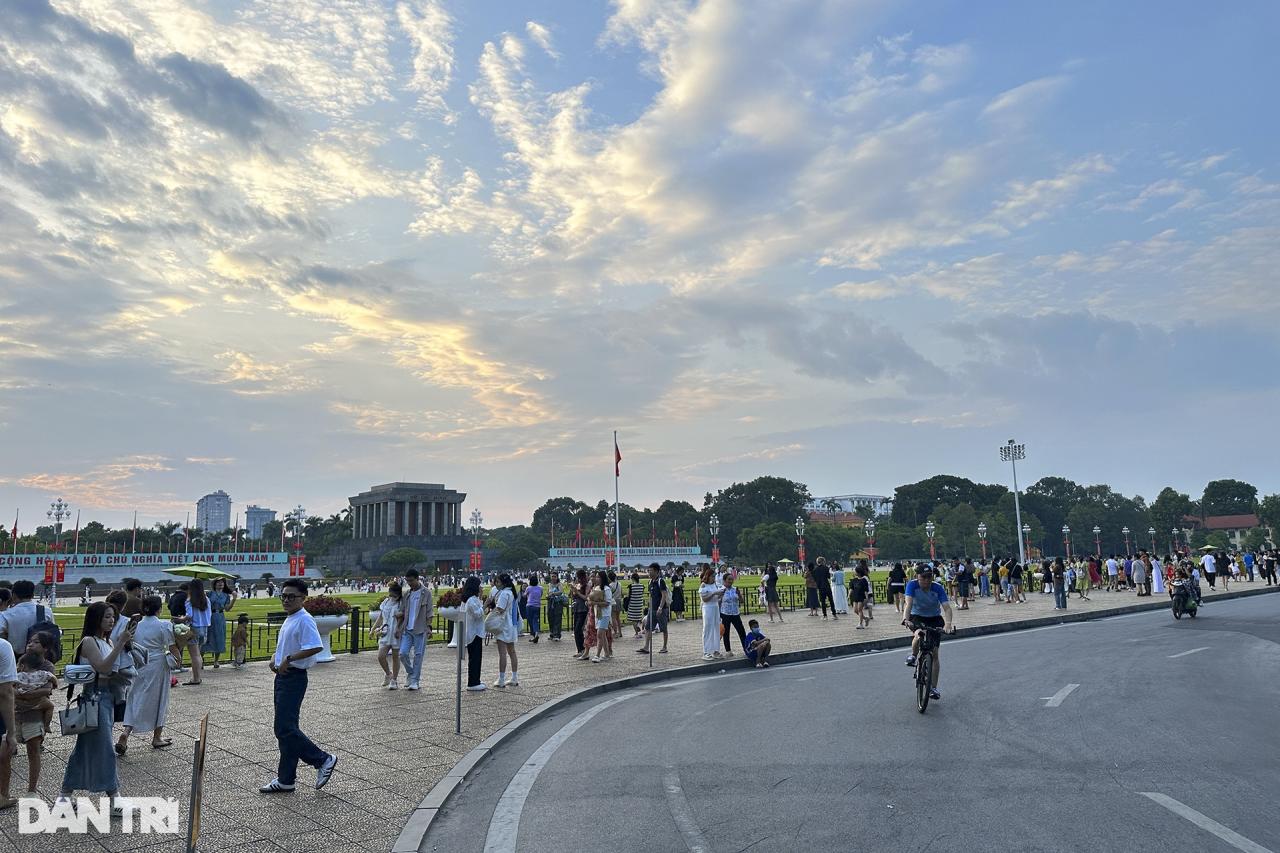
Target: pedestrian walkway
[394,746]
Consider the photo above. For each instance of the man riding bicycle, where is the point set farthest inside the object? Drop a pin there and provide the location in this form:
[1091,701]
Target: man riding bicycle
[926,607]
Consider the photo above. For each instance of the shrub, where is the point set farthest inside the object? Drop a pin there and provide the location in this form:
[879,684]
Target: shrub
[327,605]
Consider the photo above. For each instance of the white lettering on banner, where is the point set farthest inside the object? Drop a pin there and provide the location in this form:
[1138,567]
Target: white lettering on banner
[154,814]
[87,561]
[629,551]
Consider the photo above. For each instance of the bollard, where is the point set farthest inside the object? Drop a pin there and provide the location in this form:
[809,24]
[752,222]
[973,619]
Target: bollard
[354,627]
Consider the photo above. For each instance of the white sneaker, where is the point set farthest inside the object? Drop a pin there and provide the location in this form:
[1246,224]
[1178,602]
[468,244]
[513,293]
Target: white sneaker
[451,646]
[478,687]
[393,684]
[596,659]
[708,657]
[515,680]
[275,786]
[501,682]
[386,681]
[412,685]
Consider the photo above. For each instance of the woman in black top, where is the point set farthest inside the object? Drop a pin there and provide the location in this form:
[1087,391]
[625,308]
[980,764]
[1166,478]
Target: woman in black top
[859,588]
[897,586]
[771,591]
[677,594]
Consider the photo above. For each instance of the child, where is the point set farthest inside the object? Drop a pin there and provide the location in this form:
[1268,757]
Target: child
[33,709]
[240,641]
[758,645]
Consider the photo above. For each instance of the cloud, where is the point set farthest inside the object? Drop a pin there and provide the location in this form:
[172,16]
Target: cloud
[1014,104]
[105,485]
[541,36]
[210,460]
[430,30]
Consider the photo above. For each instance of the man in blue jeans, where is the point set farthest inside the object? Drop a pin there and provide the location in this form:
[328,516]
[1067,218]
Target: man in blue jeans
[414,620]
[296,647]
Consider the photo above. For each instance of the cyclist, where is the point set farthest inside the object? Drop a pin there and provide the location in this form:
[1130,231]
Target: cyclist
[927,606]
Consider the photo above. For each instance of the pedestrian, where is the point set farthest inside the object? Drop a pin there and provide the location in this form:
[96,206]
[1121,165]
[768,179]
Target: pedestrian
[220,603]
[1140,575]
[199,615]
[1209,565]
[964,580]
[133,597]
[32,715]
[1005,594]
[556,600]
[148,704]
[579,609]
[731,615]
[386,626]
[415,623]
[659,610]
[711,593]
[502,603]
[677,594]
[840,599]
[635,603]
[22,614]
[1016,575]
[472,631]
[92,765]
[615,608]
[602,605]
[1057,575]
[533,608]
[897,583]
[240,641]
[822,577]
[859,589]
[297,644]
[1223,564]
[771,592]
[758,646]
[9,723]
[1083,580]
[810,590]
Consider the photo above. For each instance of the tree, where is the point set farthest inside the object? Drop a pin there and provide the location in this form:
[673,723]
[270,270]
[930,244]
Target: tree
[565,513]
[762,500]
[399,559]
[915,502]
[271,530]
[1255,539]
[1269,512]
[766,543]
[1228,497]
[88,582]
[1169,509]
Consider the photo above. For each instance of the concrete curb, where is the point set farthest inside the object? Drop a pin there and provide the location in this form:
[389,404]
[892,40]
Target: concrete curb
[415,829]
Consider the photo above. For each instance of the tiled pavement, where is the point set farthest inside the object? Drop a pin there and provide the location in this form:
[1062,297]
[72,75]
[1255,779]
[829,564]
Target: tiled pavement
[393,746]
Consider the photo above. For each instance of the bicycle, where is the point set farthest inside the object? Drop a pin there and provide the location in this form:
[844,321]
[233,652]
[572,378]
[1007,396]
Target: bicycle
[924,665]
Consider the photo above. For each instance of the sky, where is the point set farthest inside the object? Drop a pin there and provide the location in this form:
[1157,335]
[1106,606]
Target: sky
[294,249]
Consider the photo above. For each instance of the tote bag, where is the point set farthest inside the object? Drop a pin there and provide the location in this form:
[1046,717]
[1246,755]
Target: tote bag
[80,716]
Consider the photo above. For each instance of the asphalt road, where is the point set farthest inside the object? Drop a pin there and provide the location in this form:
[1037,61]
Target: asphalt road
[833,755]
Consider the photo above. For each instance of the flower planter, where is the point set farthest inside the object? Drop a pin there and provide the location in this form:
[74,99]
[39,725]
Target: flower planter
[453,614]
[326,625]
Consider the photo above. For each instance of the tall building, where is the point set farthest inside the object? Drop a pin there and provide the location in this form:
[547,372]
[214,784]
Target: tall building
[213,512]
[256,516]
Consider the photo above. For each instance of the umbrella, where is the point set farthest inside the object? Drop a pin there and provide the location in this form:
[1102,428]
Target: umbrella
[1208,548]
[199,569]
[786,561]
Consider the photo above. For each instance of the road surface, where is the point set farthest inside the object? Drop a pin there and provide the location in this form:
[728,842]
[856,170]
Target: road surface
[1135,733]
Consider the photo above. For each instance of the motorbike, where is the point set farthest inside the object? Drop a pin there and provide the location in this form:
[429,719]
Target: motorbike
[1184,599]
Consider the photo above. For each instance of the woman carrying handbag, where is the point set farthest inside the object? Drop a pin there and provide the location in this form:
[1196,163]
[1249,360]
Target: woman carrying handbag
[92,765]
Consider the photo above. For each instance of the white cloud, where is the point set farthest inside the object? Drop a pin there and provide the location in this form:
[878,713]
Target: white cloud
[541,36]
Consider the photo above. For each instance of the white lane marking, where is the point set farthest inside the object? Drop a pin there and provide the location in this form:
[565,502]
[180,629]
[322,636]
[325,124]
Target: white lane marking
[1190,652]
[504,826]
[682,814]
[1056,699]
[1208,824]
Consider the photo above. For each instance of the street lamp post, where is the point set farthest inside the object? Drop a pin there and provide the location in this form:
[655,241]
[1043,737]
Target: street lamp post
[1025,538]
[982,538]
[1097,541]
[609,557]
[715,539]
[1066,540]
[1011,453]
[870,529]
[477,520]
[1125,531]
[1151,531]
[1173,542]
[800,539]
[58,510]
[929,530]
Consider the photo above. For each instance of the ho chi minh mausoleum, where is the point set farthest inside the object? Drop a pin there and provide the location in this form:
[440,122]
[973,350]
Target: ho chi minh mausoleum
[426,516]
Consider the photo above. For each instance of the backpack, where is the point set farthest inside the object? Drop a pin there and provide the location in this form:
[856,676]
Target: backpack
[44,624]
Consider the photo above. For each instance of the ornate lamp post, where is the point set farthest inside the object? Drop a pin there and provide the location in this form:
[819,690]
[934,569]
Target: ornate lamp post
[58,510]
[1011,453]
[1066,540]
[1151,531]
[800,539]
[1025,538]
[1097,541]
[870,529]
[1173,541]
[715,539]
[1125,531]
[929,530]
[608,529]
[982,538]
[477,520]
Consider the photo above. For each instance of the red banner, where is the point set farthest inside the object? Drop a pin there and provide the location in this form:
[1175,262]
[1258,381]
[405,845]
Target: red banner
[48,571]
[302,564]
[477,560]
[62,571]
[293,566]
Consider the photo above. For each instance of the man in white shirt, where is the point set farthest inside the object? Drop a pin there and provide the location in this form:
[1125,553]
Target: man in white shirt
[296,646]
[8,725]
[16,621]
[415,622]
[1210,566]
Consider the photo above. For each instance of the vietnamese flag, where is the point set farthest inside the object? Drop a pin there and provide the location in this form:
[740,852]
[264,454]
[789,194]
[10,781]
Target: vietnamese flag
[617,457]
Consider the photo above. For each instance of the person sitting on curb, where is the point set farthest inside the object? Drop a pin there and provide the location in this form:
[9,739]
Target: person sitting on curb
[758,646]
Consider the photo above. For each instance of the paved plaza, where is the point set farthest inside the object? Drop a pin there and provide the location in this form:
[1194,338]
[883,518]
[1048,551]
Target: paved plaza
[394,746]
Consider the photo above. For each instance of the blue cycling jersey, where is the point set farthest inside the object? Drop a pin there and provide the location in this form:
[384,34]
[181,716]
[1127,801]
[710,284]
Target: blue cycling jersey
[926,601]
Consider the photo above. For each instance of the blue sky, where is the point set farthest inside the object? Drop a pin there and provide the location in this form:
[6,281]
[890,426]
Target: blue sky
[293,249]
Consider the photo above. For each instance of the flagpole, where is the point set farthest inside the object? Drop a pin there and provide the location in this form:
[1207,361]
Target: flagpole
[77,539]
[16,513]
[133,545]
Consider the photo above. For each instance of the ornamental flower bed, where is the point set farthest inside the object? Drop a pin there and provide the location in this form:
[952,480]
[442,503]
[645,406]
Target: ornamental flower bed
[327,605]
[450,598]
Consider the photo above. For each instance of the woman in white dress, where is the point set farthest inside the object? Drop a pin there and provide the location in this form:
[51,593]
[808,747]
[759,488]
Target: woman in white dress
[386,627]
[1157,576]
[839,595]
[148,703]
[503,602]
[710,593]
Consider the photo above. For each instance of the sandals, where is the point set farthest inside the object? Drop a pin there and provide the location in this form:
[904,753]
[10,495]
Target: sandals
[122,746]
[161,744]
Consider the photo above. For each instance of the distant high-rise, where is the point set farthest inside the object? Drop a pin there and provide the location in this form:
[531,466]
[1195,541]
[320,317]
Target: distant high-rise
[213,512]
[255,517]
